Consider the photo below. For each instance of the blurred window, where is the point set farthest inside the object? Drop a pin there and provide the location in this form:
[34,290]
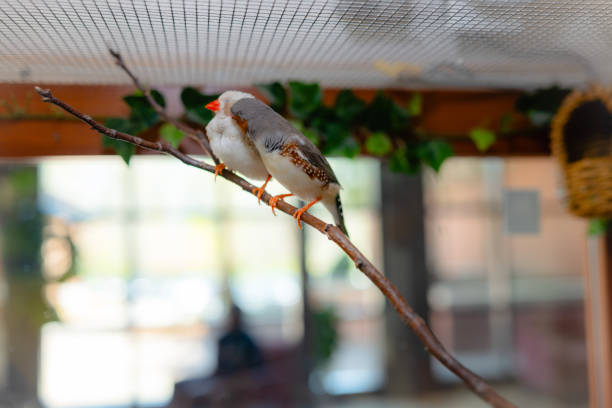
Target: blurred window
[357,364]
[159,249]
[504,295]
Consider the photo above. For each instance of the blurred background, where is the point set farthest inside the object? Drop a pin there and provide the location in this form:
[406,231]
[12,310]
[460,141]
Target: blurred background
[149,257]
[153,285]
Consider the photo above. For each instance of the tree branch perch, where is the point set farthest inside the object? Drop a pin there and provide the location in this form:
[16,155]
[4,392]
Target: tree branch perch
[406,313]
[194,134]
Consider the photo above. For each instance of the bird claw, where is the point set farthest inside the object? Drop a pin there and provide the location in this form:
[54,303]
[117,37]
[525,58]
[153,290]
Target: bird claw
[259,192]
[218,169]
[298,216]
[274,201]
[298,213]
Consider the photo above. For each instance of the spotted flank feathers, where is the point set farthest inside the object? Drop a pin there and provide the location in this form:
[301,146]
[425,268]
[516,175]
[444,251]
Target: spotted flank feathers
[292,152]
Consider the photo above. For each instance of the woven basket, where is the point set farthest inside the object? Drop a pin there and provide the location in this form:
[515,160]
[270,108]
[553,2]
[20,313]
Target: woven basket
[582,142]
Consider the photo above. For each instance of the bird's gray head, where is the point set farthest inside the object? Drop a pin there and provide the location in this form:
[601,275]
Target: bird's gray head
[226,101]
[261,121]
[250,114]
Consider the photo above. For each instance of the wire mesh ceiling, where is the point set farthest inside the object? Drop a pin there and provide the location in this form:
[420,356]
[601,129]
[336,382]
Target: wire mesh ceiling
[483,43]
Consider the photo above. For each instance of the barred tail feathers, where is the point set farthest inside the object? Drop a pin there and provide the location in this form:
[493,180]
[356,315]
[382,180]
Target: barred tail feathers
[335,208]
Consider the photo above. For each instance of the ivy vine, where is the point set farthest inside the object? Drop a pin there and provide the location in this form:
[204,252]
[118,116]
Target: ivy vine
[349,127]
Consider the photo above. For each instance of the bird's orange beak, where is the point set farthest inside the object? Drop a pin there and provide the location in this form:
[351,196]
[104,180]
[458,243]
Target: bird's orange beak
[213,106]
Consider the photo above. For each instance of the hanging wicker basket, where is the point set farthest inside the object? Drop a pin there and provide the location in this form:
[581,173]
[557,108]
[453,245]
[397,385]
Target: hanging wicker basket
[582,142]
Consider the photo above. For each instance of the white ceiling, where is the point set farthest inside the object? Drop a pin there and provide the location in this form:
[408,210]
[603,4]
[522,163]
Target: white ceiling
[489,43]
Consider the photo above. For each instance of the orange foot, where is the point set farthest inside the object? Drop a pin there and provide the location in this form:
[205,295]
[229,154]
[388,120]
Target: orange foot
[260,190]
[218,169]
[298,214]
[274,201]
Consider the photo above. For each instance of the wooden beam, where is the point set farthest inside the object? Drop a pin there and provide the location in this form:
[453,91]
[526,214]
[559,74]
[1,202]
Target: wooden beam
[518,145]
[96,100]
[448,113]
[30,138]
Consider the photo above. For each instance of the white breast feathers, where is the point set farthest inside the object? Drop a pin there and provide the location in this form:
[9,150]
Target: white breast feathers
[233,148]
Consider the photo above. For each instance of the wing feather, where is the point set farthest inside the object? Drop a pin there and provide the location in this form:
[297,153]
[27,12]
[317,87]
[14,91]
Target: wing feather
[313,155]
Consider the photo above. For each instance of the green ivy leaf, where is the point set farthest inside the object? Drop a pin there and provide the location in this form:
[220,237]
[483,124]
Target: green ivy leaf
[378,144]
[137,102]
[335,135]
[276,94]
[482,138]
[399,118]
[377,113]
[383,114]
[158,97]
[305,99]
[322,117]
[348,107]
[506,122]
[597,226]
[434,152]
[121,124]
[415,106]
[339,141]
[142,117]
[192,98]
[404,160]
[170,133]
[348,148]
[142,114]
[123,149]
[194,102]
[541,105]
[325,334]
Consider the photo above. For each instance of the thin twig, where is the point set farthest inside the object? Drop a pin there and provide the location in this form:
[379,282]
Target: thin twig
[195,134]
[407,314]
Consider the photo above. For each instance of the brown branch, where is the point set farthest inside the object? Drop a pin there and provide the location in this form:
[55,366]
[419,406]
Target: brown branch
[195,134]
[407,314]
